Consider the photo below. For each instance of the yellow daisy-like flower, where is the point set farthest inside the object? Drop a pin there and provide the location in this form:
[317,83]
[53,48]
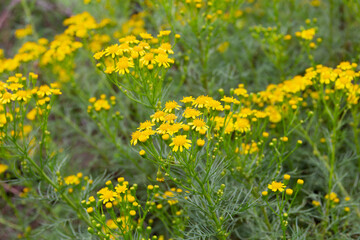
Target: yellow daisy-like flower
[7,97]
[106,195]
[199,125]
[180,142]
[72,179]
[191,113]
[230,100]
[166,47]
[23,95]
[123,65]
[99,55]
[135,137]
[146,125]
[163,60]
[171,105]
[170,118]
[201,101]
[163,128]
[147,59]
[158,116]
[164,33]
[112,50]
[242,125]
[144,135]
[174,128]
[121,188]
[146,36]
[276,186]
[187,99]
[15,86]
[214,105]
[44,90]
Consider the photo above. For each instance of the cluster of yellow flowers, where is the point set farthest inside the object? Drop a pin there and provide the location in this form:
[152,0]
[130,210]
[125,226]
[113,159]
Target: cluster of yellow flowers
[23,32]
[307,34]
[63,45]
[29,51]
[15,93]
[202,117]
[133,53]
[279,186]
[122,206]
[78,26]
[292,93]
[101,104]
[208,11]
[333,199]
[77,180]
[204,113]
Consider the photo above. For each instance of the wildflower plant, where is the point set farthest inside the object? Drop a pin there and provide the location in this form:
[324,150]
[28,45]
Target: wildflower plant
[138,67]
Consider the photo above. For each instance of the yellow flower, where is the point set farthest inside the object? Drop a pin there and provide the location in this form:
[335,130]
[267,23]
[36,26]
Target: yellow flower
[276,186]
[90,209]
[164,33]
[3,168]
[191,113]
[230,100]
[99,55]
[147,59]
[170,118]
[171,105]
[201,101]
[200,142]
[242,125]
[14,86]
[121,188]
[166,47]
[106,195]
[163,60]
[187,99]
[72,179]
[289,191]
[101,104]
[146,36]
[7,98]
[44,90]
[112,50]
[158,116]
[146,125]
[123,65]
[21,33]
[198,125]
[308,34]
[180,142]
[23,95]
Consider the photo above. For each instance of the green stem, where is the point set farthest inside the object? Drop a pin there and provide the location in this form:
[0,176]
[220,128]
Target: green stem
[29,18]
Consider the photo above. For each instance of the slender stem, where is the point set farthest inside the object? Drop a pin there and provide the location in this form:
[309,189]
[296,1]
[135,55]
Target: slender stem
[29,18]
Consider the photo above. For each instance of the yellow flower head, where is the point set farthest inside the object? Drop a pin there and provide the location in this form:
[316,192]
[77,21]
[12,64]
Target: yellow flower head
[106,195]
[171,105]
[180,142]
[276,186]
